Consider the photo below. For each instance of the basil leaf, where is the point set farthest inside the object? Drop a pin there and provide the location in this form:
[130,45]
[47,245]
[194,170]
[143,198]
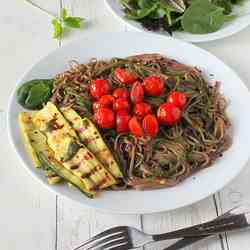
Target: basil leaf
[38,94]
[73,22]
[71,151]
[32,94]
[23,92]
[58,29]
[202,17]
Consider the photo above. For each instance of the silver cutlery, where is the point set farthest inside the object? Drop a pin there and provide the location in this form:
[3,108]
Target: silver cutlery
[123,237]
[184,242]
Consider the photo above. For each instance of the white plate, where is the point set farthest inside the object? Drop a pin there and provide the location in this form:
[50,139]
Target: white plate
[195,188]
[228,29]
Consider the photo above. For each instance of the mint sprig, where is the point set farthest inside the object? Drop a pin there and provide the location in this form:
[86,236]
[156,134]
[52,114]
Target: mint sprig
[70,21]
[62,22]
[59,24]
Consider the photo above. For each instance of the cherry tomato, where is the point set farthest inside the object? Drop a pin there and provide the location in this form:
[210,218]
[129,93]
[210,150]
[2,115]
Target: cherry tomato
[121,93]
[137,93]
[97,105]
[150,125]
[99,87]
[177,98]
[122,119]
[120,104]
[153,85]
[124,76]
[141,109]
[135,127]
[105,118]
[168,114]
[107,100]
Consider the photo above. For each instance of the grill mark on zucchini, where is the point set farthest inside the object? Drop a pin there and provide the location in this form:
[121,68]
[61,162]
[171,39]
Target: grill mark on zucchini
[94,175]
[89,140]
[74,167]
[101,183]
[93,140]
[92,172]
[66,175]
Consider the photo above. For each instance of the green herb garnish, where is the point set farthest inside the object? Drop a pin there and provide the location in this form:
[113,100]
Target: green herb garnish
[62,22]
[59,24]
[32,94]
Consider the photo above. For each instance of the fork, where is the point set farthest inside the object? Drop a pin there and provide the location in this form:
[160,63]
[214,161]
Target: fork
[184,242]
[123,237]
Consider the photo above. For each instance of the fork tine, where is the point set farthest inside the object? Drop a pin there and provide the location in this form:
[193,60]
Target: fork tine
[114,244]
[107,239]
[108,232]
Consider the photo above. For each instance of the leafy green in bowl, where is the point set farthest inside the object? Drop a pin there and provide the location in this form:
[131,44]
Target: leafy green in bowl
[192,16]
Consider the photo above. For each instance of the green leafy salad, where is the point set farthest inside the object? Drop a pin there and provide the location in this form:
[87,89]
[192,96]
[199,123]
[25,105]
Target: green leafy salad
[192,16]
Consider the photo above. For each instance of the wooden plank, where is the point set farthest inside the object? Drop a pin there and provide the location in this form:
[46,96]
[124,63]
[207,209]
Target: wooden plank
[27,209]
[236,193]
[164,222]
[27,216]
[75,222]
[231,51]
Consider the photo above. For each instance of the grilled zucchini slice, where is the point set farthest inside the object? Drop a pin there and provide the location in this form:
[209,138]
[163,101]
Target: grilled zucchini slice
[40,145]
[53,169]
[34,140]
[65,174]
[26,127]
[91,137]
[61,136]
[85,165]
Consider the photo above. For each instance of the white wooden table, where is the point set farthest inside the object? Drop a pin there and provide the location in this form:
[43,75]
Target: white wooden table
[33,218]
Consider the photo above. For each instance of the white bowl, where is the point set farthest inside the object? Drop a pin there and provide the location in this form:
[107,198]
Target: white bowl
[228,29]
[195,188]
